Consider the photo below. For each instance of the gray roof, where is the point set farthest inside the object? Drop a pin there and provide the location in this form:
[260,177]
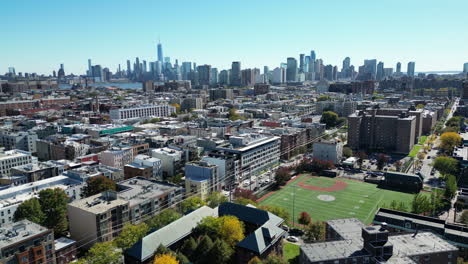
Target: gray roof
[169,234]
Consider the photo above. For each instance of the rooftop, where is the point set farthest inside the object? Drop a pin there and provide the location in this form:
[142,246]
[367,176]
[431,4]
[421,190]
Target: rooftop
[19,231]
[136,190]
[99,203]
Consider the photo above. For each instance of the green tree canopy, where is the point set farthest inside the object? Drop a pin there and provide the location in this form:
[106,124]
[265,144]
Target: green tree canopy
[279,211]
[449,140]
[329,118]
[221,252]
[191,204]
[215,199]
[315,231]
[31,210]
[446,165]
[164,218]
[103,253]
[450,187]
[130,235]
[420,204]
[98,184]
[54,206]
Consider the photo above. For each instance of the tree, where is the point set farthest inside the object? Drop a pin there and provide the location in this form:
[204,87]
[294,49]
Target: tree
[304,218]
[244,193]
[449,140]
[420,204]
[164,218]
[323,98]
[244,201]
[98,184]
[191,204]
[276,210]
[54,206]
[315,231]
[255,260]
[347,152]
[203,249]
[231,230]
[165,259]
[104,253]
[382,160]
[446,165]
[130,235]
[182,258]
[420,106]
[215,199]
[177,107]
[189,246]
[282,176]
[31,210]
[274,259]
[361,157]
[233,115]
[329,118]
[450,187]
[220,253]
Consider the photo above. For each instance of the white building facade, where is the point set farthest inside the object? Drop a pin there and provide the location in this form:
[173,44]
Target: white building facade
[142,111]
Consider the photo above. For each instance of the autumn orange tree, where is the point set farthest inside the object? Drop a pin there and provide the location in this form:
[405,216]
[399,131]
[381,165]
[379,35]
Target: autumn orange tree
[165,259]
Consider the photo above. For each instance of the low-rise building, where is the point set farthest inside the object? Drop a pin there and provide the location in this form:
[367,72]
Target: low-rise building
[170,158]
[65,250]
[13,158]
[201,178]
[25,242]
[12,197]
[142,111]
[353,242]
[117,157]
[328,151]
[98,218]
[18,140]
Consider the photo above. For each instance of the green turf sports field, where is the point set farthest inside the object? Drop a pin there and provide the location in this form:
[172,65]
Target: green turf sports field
[358,199]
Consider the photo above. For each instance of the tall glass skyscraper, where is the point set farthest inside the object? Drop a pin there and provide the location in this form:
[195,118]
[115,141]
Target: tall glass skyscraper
[291,71]
[236,73]
[411,66]
[160,53]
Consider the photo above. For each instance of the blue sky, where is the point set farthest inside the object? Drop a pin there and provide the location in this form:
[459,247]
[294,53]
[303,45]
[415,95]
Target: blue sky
[39,35]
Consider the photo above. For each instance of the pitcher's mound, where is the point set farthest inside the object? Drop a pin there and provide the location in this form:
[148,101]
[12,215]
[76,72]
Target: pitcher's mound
[326,197]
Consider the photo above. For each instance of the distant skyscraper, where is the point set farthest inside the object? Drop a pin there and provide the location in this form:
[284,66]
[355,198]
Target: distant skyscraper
[312,61]
[380,71]
[144,66]
[346,64]
[160,53]
[370,69]
[328,72]
[411,66]
[214,76]
[185,69]
[11,70]
[224,77]
[291,71]
[266,74]
[204,74]
[89,68]
[302,63]
[398,68]
[465,67]
[129,69]
[236,73]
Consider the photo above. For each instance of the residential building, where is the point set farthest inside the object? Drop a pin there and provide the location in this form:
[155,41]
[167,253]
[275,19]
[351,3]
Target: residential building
[369,131]
[12,197]
[328,151]
[353,242]
[98,218]
[251,153]
[261,88]
[19,140]
[117,157]
[13,158]
[147,197]
[142,111]
[201,178]
[65,250]
[37,171]
[170,158]
[153,164]
[25,242]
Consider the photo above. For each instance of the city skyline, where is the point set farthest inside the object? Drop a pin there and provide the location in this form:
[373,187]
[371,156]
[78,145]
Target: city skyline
[207,34]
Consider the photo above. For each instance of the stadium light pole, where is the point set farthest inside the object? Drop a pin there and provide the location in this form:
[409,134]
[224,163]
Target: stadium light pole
[294,199]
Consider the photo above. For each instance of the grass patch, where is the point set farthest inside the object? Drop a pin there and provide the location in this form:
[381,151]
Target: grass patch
[414,151]
[422,140]
[357,200]
[290,251]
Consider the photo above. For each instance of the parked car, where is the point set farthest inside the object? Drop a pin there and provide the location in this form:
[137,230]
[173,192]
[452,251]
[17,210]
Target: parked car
[292,239]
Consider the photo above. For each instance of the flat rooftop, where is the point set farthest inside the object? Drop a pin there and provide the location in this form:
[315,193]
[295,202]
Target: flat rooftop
[19,231]
[137,190]
[98,203]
